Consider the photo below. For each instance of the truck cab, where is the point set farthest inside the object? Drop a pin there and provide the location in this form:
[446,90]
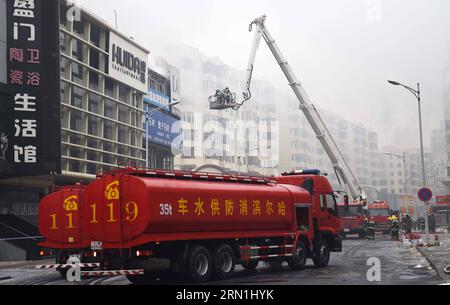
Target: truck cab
[326,221]
[352,217]
[379,211]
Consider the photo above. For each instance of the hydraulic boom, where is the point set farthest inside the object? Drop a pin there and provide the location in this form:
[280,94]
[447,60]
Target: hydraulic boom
[227,100]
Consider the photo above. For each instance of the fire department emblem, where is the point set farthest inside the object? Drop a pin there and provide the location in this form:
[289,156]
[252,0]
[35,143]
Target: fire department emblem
[3,146]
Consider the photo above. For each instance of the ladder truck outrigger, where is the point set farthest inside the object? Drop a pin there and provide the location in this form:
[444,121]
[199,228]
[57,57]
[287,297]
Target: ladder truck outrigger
[225,99]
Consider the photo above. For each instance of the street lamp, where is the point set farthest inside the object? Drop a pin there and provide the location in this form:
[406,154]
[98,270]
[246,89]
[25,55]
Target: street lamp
[148,114]
[424,182]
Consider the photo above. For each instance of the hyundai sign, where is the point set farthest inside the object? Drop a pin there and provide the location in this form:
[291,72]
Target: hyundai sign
[127,63]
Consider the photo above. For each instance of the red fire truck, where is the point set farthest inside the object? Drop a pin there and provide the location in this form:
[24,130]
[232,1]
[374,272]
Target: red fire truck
[380,211]
[352,217]
[129,221]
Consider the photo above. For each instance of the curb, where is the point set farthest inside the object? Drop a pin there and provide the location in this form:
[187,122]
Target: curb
[431,264]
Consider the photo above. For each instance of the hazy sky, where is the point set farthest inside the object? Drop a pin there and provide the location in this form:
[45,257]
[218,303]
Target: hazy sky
[343,51]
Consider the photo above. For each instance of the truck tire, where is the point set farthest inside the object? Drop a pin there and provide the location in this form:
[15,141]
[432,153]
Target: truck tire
[223,262]
[251,264]
[199,264]
[298,260]
[322,254]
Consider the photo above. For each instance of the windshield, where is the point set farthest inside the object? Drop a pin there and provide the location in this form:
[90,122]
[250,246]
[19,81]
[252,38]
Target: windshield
[379,213]
[350,211]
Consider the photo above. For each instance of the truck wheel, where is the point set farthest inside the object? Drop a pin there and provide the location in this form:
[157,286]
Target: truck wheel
[298,260]
[251,264]
[199,264]
[322,254]
[223,262]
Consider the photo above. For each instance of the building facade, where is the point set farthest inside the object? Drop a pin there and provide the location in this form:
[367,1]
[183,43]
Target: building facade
[162,114]
[446,100]
[235,141]
[101,97]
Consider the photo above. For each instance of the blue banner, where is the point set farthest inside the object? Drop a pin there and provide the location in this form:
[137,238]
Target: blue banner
[161,129]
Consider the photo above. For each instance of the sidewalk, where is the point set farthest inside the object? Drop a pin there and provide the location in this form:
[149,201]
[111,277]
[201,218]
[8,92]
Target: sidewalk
[439,257]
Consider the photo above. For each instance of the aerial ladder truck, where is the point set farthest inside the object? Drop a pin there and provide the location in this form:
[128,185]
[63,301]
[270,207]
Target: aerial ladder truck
[225,99]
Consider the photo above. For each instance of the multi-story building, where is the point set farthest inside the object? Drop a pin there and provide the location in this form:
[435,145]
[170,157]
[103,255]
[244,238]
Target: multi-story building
[101,96]
[446,84]
[233,141]
[162,113]
[440,159]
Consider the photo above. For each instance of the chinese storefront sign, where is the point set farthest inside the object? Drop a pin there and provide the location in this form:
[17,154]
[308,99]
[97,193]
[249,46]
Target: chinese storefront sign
[29,132]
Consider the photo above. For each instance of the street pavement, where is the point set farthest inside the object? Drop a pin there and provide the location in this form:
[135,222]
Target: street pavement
[439,257]
[400,265]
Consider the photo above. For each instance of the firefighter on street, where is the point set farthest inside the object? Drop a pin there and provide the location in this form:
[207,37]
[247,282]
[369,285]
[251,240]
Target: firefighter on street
[363,229]
[371,226]
[421,224]
[395,228]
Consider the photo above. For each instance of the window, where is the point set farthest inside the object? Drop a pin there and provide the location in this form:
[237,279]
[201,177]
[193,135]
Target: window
[123,134]
[124,93]
[94,101]
[75,152]
[331,204]
[93,81]
[62,42]
[122,150]
[91,168]
[323,204]
[75,139]
[78,26]
[109,87]
[75,121]
[62,15]
[63,64]
[124,114]
[77,97]
[93,143]
[109,109]
[77,49]
[77,73]
[133,138]
[95,35]
[93,124]
[74,166]
[108,131]
[94,59]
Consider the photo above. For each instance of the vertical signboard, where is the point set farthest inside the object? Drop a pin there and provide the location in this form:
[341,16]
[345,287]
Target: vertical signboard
[30,117]
[3,41]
